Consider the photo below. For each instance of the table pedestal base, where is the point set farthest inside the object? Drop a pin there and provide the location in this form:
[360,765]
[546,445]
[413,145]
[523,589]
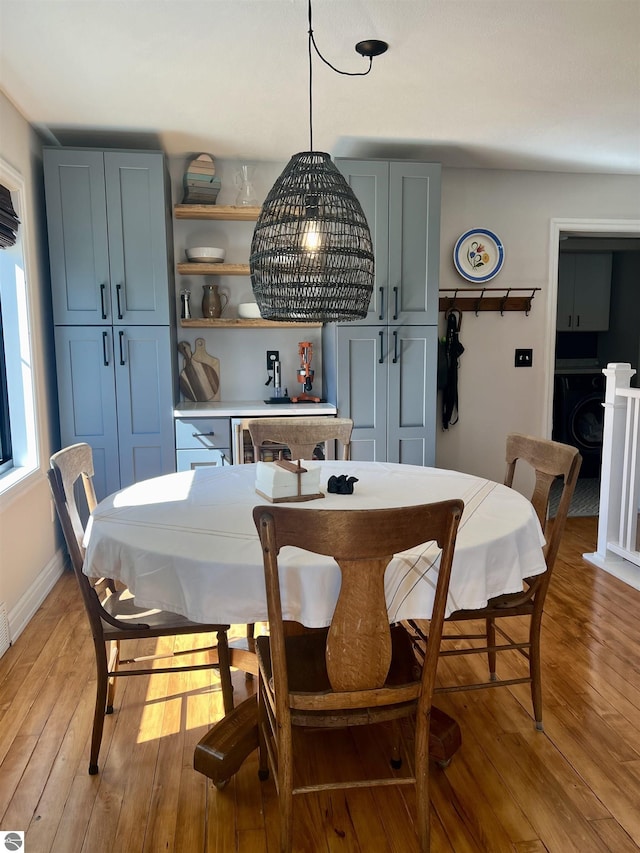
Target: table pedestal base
[220,753]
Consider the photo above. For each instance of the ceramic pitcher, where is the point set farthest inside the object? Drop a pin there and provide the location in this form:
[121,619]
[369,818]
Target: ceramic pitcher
[213,302]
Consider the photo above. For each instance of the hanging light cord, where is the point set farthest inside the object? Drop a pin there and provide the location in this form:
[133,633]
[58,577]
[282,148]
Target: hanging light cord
[313,46]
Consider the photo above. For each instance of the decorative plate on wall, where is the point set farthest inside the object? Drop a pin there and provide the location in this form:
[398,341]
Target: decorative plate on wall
[478,255]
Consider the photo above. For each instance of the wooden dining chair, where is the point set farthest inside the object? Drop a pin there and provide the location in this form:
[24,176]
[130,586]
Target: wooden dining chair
[548,460]
[112,611]
[360,670]
[300,434]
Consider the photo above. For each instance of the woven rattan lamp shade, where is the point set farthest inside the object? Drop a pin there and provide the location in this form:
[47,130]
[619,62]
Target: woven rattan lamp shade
[311,254]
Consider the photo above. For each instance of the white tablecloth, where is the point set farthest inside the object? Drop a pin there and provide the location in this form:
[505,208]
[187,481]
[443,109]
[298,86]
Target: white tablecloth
[187,543]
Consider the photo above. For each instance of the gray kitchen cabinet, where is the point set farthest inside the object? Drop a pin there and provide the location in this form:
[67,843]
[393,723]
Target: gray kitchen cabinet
[384,379]
[584,291]
[381,371]
[108,219]
[115,390]
[202,441]
[109,248]
[401,201]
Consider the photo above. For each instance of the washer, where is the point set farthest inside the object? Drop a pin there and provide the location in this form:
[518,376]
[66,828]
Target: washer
[578,416]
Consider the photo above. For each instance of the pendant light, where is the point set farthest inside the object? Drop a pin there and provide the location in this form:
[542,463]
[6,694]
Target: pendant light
[312,254]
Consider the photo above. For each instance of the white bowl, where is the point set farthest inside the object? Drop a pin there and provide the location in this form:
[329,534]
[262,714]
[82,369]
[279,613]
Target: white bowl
[249,311]
[205,254]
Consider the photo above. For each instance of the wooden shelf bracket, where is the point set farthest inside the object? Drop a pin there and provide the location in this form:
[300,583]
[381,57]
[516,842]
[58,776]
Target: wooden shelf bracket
[487,299]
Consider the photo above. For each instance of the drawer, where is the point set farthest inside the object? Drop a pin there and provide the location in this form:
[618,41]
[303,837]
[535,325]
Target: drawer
[202,433]
[187,460]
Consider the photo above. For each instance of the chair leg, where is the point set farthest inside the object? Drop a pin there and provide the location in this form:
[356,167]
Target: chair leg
[396,735]
[113,662]
[224,668]
[421,763]
[535,670]
[491,641]
[102,679]
[285,787]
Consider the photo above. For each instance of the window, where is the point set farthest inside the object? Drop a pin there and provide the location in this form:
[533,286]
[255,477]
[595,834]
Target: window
[18,444]
[5,424]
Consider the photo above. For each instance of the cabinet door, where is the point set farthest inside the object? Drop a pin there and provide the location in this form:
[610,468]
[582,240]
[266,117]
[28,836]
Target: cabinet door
[145,402]
[362,353]
[414,242]
[566,283]
[584,291]
[77,226]
[592,292]
[369,180]
[411,410]
[137,229]
[87,399]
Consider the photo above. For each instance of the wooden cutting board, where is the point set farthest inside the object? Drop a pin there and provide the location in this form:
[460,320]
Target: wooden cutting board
[200,376]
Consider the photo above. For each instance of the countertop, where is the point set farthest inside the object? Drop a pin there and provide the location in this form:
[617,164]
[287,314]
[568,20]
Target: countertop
[251,409]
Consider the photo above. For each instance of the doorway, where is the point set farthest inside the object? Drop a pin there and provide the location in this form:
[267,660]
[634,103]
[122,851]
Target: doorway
[615,236]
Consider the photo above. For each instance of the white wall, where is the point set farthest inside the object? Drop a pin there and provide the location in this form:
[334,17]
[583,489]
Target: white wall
[29,558]
[496,397]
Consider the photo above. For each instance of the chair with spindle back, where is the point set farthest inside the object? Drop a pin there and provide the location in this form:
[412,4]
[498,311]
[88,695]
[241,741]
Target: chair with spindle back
[300,434]
[113,614]
[547,460]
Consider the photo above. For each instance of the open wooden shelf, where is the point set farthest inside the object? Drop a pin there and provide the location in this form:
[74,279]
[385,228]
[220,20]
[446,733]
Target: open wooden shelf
[214,211]
[239,323]
[193,268]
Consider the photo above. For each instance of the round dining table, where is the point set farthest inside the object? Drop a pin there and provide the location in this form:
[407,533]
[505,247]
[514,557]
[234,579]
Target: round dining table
[187,542]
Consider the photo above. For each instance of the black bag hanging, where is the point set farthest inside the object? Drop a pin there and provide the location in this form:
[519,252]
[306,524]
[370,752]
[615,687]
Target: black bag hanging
[453,349]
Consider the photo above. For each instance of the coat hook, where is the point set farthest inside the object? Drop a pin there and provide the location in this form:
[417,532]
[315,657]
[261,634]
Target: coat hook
[504,301]
[479,301]
[528,308]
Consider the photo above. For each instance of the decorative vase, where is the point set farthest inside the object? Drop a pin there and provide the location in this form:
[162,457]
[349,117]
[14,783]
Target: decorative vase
[244,181]
[212,301]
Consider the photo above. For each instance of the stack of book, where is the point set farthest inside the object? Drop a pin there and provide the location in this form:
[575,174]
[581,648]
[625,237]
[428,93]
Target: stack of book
[200,183]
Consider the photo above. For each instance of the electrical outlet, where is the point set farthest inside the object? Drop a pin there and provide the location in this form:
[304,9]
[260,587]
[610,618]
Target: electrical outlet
[272,355]
[524,358]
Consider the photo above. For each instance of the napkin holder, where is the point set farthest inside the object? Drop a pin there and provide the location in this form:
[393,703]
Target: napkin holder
[285,481]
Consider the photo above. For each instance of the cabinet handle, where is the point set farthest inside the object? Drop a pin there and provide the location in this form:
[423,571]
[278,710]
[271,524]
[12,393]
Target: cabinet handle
[105,355]
[121,336]
[202,434]
[118,289]
[569,322]
[381,359]
[395,347]
[381,316]
[577,321]
[395,303]
[102,308]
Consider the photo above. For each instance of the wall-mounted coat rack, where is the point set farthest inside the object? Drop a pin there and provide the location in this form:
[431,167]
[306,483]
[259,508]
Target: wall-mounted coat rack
[487,299]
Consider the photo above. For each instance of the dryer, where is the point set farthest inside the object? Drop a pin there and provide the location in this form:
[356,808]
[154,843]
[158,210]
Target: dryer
[578,416]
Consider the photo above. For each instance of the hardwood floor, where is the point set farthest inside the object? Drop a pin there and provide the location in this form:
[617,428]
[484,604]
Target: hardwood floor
[575,787]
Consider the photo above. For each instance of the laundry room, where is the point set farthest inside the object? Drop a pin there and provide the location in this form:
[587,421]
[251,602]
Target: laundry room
[598,322]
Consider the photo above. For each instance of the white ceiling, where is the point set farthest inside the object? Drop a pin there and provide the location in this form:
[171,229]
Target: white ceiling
[533,84]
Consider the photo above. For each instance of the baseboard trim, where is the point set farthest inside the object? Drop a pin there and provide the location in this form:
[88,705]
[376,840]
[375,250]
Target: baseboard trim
[622,569]
[23,612]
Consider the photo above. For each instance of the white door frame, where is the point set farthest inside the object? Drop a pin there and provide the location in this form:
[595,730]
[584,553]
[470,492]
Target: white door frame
[597,227]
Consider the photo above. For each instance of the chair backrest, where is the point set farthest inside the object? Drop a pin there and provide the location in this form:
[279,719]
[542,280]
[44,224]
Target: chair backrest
[301,434]
[67,467]
[362,542]
[549,459]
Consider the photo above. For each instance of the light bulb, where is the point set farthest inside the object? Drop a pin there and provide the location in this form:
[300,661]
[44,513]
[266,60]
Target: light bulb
[311,237]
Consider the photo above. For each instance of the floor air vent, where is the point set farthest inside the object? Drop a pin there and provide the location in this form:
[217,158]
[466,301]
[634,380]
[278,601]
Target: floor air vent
[4,630]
